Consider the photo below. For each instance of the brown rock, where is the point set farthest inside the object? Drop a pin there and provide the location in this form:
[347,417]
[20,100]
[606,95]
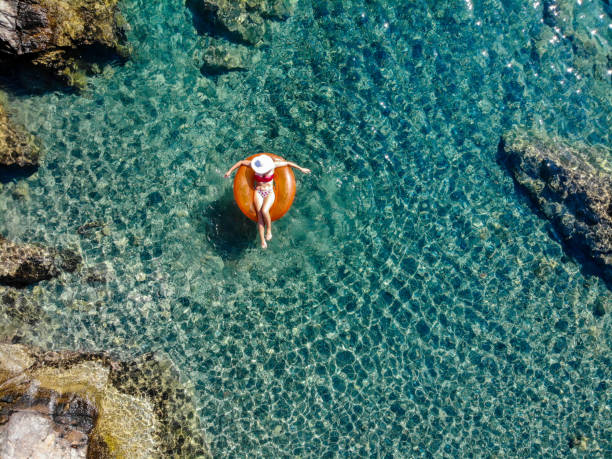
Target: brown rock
[16,147]
[23,264]
[246,20]
[49,33]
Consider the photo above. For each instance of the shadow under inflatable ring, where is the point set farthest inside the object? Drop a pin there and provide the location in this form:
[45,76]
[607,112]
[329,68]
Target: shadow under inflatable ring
[284,189]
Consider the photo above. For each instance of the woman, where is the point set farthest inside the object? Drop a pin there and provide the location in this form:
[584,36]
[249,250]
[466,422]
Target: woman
[263,198]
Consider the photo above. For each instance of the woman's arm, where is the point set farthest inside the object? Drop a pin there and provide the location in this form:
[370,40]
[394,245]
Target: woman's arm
[244,162]
[290,164]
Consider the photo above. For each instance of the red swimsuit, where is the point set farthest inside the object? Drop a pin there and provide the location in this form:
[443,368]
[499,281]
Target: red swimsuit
[260,180]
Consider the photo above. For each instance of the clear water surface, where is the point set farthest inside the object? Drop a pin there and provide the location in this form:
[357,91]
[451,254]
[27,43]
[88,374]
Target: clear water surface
[410,304]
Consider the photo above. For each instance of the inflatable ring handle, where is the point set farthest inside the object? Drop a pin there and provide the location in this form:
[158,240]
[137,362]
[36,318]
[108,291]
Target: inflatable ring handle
[284,189]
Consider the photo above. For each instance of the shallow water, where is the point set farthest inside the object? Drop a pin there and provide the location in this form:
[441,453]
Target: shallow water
[411,303]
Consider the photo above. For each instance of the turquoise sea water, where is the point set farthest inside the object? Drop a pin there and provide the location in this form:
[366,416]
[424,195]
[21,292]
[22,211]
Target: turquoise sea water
[410,304]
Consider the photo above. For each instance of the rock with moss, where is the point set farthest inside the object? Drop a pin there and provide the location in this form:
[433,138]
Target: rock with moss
[17,148]
[25,264]
[243,20]
[571,183]
[178,432]
[52,33]
[132,409]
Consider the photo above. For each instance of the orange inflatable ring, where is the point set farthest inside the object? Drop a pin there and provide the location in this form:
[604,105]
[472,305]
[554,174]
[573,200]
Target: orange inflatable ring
[284,189]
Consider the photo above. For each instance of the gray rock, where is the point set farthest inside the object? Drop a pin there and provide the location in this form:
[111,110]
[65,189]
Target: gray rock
[37,421]
[67,410]
[9,39]
[35,26]
[571,184]
[30,434]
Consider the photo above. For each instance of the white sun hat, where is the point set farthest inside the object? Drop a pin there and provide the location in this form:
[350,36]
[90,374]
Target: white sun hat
[262,164]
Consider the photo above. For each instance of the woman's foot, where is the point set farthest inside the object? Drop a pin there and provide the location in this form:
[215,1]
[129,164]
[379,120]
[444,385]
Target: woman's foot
[268,235]
[263,244]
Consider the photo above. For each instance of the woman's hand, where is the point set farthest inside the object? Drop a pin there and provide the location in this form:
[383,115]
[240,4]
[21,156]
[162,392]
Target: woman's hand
[304,170]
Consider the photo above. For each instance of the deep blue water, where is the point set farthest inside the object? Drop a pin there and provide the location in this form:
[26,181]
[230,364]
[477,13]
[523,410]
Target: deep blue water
[411,303]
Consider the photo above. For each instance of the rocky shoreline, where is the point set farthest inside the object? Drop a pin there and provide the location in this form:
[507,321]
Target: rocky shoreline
[571,184]
[72,404]
[83,404]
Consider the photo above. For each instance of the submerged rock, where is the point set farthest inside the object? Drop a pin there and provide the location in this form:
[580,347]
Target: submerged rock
[155,375]
[24,264]
[242,22]
[50,33]
[88,228]
[589,53]
[20,305]
[579,442]
[68,260]
[22,191]
[99,406]
[16,147]
[221,58]
[571,185]
[99,274]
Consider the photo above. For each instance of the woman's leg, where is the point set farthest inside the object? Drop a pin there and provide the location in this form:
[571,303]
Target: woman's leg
[265,211]
[258,201]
